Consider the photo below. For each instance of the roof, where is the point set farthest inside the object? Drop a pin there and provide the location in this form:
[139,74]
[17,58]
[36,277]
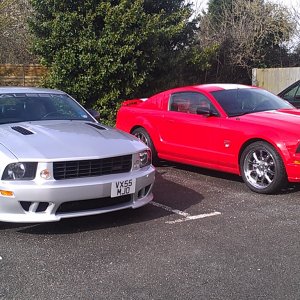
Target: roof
[225,86]
[27,90]
[222,86]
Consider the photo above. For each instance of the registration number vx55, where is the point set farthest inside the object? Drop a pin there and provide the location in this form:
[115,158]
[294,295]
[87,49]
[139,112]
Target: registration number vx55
[124,187]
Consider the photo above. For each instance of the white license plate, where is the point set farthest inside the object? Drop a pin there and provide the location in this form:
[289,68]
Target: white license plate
[124,187]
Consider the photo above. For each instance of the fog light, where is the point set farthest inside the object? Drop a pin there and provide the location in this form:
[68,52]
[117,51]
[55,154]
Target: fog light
[297,162]
[45,174]
[6,193]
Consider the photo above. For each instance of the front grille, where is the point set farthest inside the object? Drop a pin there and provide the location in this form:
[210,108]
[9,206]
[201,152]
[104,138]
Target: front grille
[91,204]
[90,168]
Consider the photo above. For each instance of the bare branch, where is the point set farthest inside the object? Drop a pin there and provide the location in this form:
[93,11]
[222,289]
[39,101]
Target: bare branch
[246,30]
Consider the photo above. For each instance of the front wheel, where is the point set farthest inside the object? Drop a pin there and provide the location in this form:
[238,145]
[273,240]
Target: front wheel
[262,168]
[143,135]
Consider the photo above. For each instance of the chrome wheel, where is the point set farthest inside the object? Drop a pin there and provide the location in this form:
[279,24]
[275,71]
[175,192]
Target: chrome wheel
[262,168]
[142,136]
[259,168]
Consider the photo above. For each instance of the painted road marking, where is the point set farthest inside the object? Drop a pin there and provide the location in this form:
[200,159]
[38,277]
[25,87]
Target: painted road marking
[186,216]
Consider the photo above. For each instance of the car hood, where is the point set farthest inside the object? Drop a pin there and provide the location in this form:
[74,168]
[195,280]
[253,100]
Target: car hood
[66,140]
[279,119]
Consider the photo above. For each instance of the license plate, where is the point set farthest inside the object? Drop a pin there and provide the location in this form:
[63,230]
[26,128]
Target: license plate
[124,187]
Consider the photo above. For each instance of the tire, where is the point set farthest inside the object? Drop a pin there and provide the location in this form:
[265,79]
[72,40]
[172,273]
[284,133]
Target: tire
[262,168]
[143,135]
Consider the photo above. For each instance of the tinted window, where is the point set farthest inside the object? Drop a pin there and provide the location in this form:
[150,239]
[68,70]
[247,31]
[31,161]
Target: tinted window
[293,94]
[297,94]
[248,100]
[188,102]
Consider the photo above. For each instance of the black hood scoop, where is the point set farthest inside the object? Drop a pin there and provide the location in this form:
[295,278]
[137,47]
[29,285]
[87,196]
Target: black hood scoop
[22,130]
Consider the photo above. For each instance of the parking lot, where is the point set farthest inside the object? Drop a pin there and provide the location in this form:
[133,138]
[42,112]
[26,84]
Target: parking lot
[205,236]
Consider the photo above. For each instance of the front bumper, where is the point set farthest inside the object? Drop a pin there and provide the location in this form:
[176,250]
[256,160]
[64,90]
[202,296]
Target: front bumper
[293,172]
[35,202]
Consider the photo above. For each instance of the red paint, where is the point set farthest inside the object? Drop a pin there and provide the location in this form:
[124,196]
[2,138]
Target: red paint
[212,142]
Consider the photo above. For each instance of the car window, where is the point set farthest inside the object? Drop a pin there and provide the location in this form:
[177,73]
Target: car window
[33,107]
[297,94]
[248,100]
[189,102]
[293,94]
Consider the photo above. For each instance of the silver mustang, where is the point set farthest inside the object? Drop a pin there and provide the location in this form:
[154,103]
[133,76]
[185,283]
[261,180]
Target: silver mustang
[57,161]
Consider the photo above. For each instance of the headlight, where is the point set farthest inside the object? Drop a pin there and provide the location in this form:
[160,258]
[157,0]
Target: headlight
[20,171]
[142,159]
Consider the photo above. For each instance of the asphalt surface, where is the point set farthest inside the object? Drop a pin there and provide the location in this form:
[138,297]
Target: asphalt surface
[205,236]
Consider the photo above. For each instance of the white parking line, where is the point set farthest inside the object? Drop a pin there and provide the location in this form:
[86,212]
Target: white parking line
[187,217]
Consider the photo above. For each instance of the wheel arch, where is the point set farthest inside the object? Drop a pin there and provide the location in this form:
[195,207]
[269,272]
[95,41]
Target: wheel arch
[151,130]
[135,127]
[269,176]
[253,140]
[151,144]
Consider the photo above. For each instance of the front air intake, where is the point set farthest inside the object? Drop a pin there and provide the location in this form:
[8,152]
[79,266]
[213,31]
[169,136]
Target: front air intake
[95,125]
[22,130]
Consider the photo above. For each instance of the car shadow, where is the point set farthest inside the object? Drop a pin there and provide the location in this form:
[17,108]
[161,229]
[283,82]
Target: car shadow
[202,171]
[289,189]
[166,193]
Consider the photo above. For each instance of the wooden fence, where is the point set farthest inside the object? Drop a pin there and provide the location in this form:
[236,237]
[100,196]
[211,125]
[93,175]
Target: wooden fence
[275,79]
[21,75]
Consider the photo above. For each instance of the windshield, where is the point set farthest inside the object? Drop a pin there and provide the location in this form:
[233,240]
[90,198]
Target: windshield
[34,107]
[236,102]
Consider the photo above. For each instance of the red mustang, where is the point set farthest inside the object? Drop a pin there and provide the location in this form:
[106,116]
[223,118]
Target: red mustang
[233,128]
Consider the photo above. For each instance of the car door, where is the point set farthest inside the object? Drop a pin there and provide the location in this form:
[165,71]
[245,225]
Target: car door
[187,135]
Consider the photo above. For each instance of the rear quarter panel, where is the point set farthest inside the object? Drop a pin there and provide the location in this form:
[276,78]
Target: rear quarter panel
[147,114]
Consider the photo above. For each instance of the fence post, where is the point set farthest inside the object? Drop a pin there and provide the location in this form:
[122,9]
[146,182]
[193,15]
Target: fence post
[23,69]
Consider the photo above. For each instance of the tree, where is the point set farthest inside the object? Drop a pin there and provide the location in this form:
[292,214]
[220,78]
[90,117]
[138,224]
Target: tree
[217,9]
[294,44]
[4,20]
[103,52]
[14,35]
[248,33]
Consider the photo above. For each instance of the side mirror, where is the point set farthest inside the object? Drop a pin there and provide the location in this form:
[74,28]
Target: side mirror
[205,111]
[94,113]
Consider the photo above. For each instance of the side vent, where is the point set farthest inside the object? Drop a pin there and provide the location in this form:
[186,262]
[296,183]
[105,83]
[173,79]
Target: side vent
[22,130]
[95,125]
